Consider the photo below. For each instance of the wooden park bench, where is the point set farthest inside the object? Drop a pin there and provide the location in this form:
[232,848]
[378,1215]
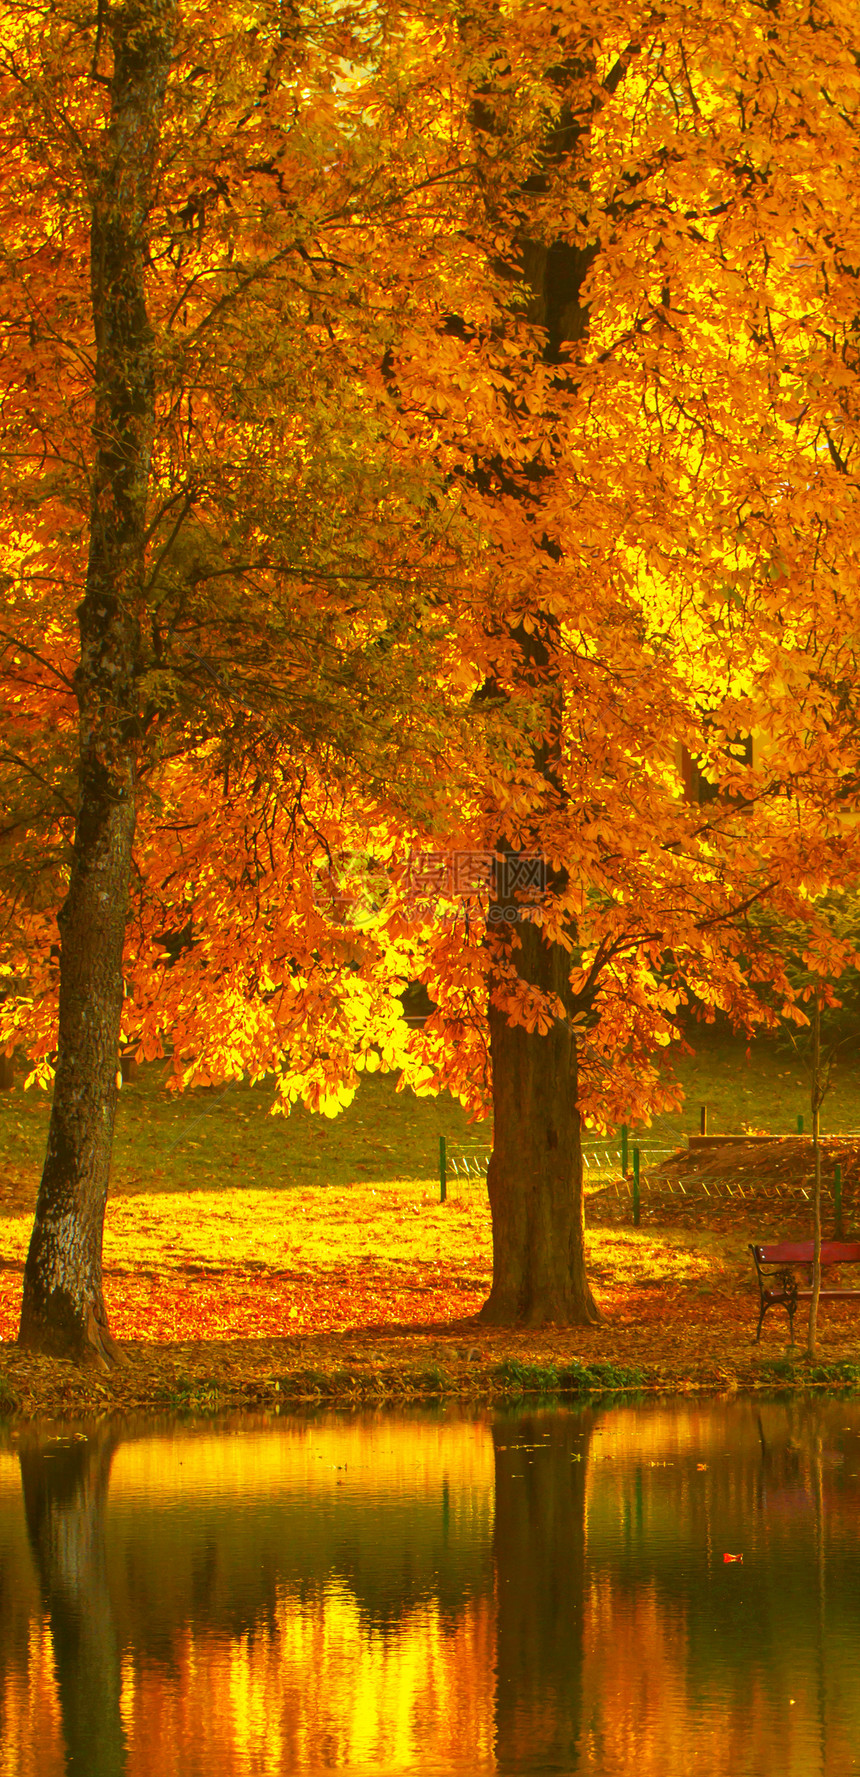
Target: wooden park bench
[778,1285]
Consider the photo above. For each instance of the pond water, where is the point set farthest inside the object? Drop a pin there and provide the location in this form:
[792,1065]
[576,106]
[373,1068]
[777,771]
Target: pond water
[528,1591]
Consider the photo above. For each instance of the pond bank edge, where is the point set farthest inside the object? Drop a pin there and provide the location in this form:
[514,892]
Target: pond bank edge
[180,1379]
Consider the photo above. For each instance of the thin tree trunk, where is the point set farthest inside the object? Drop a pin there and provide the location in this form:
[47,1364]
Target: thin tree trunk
[816,1096]
[63,1310]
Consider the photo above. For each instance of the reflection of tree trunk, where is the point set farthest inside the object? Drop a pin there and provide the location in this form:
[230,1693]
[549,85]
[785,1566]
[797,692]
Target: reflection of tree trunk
[539,1547]
[65,1487]
[818,1482]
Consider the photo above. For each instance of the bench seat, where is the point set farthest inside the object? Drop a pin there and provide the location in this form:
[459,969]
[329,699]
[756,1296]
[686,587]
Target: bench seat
[778,1286]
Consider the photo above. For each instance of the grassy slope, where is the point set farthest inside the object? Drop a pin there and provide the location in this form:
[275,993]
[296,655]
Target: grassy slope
[192,1174]
[219,1136]
[765,1087]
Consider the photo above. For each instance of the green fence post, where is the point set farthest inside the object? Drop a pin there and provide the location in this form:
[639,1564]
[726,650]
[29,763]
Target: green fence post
[837,1200]
[703,1119]
[624,1150]
[800,1125]
[635,1187]
[443,1170]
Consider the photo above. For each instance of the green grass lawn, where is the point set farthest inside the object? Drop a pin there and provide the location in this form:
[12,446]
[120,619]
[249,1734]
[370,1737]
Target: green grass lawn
[216,1136]
[765,1087]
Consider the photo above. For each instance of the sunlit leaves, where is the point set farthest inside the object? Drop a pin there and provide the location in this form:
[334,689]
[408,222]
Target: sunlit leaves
[371,491]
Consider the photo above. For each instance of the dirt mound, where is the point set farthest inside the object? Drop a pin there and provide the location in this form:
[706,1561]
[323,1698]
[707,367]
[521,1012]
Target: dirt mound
[787,1162]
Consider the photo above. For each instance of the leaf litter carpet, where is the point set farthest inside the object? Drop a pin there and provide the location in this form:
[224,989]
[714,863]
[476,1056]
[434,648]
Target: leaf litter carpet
[372,1284]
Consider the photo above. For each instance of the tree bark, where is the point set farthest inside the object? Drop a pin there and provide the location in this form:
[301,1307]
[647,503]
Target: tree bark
[63,1310]
[535,1175]
[816,1096]
[535,1172]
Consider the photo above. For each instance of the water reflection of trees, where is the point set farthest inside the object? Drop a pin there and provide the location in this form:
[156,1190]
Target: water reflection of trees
[65,1486]
[741,1662]
[539,1549]
[589,1626]
[337,1625]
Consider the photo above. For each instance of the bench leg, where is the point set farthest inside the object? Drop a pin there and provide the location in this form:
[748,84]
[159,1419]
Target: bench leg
[760,1319]
[792,1310]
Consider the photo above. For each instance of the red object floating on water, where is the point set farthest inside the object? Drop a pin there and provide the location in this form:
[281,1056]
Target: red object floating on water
[733,1557]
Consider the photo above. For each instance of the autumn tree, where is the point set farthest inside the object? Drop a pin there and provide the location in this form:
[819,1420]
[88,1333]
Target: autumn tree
[195,465]
[62,1283]
[656,206]
[532,516]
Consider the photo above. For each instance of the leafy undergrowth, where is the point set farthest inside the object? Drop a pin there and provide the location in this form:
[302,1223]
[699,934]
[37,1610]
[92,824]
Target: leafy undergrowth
[763,1166]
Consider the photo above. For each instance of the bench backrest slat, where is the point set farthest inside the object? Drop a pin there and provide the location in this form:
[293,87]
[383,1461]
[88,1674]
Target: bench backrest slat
[799,1252]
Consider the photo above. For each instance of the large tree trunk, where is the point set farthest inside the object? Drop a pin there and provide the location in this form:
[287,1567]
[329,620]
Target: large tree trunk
[535,1172]
[63,1309]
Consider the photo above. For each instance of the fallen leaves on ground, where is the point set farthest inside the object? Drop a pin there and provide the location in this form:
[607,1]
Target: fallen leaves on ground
[259,1263]
[372,1288]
